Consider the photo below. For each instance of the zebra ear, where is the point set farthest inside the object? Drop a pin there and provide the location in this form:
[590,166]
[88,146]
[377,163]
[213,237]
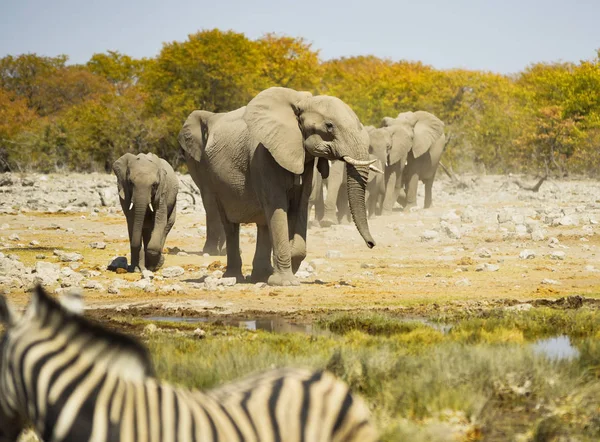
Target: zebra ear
[73,301]
[7,314]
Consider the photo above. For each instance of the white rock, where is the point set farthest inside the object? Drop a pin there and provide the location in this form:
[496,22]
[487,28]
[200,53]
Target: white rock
[113,289]
[317,262]
[199,333]
[4,226]
[550,281]
[428,235]
[13,237]
[302,274]
[34,243]
[141,284]
[484,253]
[451,230]
[486,267]
[527,254]
[521,229]
[46,273]
[333,254]
[260,285]
[227,282]
[93,285]
[469,215]
[567,221]
[557,255]
[463,282]
[174,288]
[98,245]
[147,274]
[71,257]
[450,216]
[172,272]
[217,274]
[591,268]
[537,235]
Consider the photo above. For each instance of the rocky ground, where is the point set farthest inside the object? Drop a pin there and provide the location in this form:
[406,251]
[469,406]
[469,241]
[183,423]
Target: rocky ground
[491,242]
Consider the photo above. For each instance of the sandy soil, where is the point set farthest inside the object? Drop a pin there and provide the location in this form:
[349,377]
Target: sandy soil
[494,219]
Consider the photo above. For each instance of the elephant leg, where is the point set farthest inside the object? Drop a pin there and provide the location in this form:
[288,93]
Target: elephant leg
[261,265]
[298,221]
[392,176]
[215,232]
[277,218]
[412,183]
[428,191]
[234,258]
[334,182]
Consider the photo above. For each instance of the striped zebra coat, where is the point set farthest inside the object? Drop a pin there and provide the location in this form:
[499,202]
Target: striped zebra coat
[73,380]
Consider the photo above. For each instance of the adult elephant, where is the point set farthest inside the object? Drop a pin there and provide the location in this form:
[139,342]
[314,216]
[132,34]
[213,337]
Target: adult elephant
[259,164]
[415,144]
[148,190]
[215,243]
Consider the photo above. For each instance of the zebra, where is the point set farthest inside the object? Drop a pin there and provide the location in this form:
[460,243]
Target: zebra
[74,380]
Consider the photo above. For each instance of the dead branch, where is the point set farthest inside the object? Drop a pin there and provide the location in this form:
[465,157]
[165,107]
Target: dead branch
[455,180]
[533,188]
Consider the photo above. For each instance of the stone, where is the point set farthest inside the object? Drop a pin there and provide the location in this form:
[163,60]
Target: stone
[34,243]
[172,272]
[210,283]
[227,282]
[469,215]
[113,289]
[567,221]
[484,253]
[46,273]
[553,242]
[486,267]
[550,282]
[366,265]
[429,235]
[591,268]
[93,285]
[462,282]
[141,284]
[260,285]
[557,254]
[521,230]
[450,216]
[98,245]
[333,254]
[317,262]
[174,288]
[199,333]
[13,237]
[527,254]
[118,262]
[71,257]
[538,235]
[147,274]
[451,230]
[302,274]
[217,274]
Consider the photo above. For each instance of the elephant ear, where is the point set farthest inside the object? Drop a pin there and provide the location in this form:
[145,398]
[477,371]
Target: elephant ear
[272,120]
[388,121]
[194,133]
[427,130]
[121,170]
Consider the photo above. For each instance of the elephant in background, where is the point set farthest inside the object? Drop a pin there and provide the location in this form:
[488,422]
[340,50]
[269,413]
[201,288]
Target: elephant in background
[215,243]
[415,144]
[259,163]
[148,190]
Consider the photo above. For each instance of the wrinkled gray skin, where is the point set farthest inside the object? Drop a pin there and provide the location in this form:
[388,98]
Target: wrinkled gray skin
[148,190]
[336,202]
[259,163]
[415,144]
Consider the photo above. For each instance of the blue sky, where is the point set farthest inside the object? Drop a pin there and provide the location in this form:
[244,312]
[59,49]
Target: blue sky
[500,36]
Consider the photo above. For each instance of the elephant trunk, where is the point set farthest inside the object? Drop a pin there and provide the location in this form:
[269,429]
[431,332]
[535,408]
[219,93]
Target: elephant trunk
[140,206]
[356,183]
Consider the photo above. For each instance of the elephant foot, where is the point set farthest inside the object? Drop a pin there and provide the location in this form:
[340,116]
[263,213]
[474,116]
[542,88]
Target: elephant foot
[313,223]
[135,269]
[386,212]
[283,279]
[237,274]
[212,251]
[327,222]
[154,261]
[410,207]
[260,275]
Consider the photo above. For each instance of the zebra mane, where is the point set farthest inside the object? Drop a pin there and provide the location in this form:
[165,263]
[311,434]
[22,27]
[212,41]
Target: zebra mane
[43,307]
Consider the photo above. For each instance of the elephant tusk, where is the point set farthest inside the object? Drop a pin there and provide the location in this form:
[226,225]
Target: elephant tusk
[151,208]
[131,206]
[354,162]
[375,169]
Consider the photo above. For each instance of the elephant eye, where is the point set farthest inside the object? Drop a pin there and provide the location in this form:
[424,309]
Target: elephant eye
[329,126]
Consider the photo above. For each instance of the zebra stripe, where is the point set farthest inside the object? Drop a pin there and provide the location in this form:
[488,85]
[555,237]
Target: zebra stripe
[76,381]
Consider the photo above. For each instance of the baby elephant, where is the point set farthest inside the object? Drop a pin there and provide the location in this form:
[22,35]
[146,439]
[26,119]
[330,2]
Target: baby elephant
[148,194]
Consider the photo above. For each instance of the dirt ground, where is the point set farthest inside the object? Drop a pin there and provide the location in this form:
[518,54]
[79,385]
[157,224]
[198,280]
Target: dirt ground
[465,252]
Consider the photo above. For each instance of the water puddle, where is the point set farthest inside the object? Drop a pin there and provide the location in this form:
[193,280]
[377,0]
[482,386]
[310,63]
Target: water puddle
[557,347]
[274,325]
[280,325]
